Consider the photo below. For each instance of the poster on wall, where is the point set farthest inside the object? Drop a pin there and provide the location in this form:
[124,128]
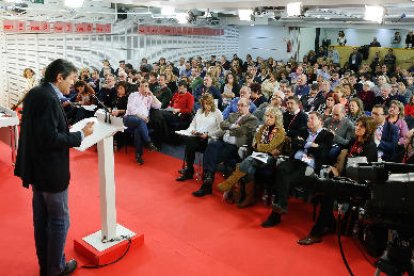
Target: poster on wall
[16,26]
[103,28]
[84,28]
[39,26]
[13,26]
[181,31]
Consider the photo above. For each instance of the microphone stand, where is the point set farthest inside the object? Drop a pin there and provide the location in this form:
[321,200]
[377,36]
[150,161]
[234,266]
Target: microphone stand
[107,111]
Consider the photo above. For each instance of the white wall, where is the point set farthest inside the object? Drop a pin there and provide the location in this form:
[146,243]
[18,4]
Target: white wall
[263,41]
[307,41]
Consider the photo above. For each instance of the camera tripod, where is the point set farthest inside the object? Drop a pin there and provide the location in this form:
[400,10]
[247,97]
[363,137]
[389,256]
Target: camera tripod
[397,258]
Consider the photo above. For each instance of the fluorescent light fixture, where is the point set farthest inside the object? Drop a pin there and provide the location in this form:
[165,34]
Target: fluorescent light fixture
[245,15]
[374,13]
[181,17]
[294,9]
[167,10]
[74,3]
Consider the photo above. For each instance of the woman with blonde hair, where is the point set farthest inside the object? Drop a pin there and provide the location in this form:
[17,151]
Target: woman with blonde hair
[171,79]
[31,82]
[204,126]
[268,140]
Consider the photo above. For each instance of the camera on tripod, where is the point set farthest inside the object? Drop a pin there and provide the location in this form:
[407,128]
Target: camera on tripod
[383,193]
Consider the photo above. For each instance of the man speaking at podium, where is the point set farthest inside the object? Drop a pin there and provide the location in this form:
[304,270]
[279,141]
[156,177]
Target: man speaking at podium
[43,162]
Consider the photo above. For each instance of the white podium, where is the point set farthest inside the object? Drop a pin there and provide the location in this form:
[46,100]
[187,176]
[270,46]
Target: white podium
[8,130]
[105,241]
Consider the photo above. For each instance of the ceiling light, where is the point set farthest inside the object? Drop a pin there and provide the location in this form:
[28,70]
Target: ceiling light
[374,13]
[182,17]
[294,9]
[245,15]
[74,3]
[166,10]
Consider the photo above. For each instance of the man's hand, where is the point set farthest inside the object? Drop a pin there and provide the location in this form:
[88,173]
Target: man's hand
[88,129]
[115,112]
[275,152]
[176,110]
[334,171]
[66,103]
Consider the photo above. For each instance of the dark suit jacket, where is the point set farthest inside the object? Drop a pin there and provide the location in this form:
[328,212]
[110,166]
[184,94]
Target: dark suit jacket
[320,153]
[44,142]
[293,123]
[389,141]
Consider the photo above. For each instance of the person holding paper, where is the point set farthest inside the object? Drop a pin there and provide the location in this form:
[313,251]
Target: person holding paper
[237,130]
[204,126]
[269,140]
[43,162]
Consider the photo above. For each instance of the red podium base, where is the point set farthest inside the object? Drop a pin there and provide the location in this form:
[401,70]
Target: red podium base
[110,254]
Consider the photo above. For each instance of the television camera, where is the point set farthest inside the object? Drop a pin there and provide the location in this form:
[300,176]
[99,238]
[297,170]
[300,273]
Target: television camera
[382,193]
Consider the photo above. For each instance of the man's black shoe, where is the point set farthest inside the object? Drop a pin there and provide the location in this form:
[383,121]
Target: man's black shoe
[182,170]
[272,220]
[151,147]
[208,178]
[70,267]
[184,177]
[139,159]
[203,191]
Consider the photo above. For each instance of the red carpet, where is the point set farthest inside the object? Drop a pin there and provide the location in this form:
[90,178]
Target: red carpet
[184,235]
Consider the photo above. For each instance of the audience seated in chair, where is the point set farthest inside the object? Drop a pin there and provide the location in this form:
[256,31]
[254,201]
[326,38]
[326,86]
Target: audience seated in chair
[177,116]
[310,147]
[386,134]
[360,146]
[137,117]
[204,127]
[269,140]
[237,130]
[207,87]
[245,92]
[293,119]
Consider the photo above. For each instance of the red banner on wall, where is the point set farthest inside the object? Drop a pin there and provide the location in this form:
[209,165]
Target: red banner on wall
[20,26]
[13,26]
[8,26]
[84,28]
[170,30]
[103,28]
[39,26]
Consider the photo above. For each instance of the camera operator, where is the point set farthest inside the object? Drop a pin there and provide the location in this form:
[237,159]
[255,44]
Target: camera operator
[360,146]
[310,147]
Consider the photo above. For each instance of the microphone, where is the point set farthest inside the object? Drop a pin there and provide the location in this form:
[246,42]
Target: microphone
[107,111]
[101,103]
